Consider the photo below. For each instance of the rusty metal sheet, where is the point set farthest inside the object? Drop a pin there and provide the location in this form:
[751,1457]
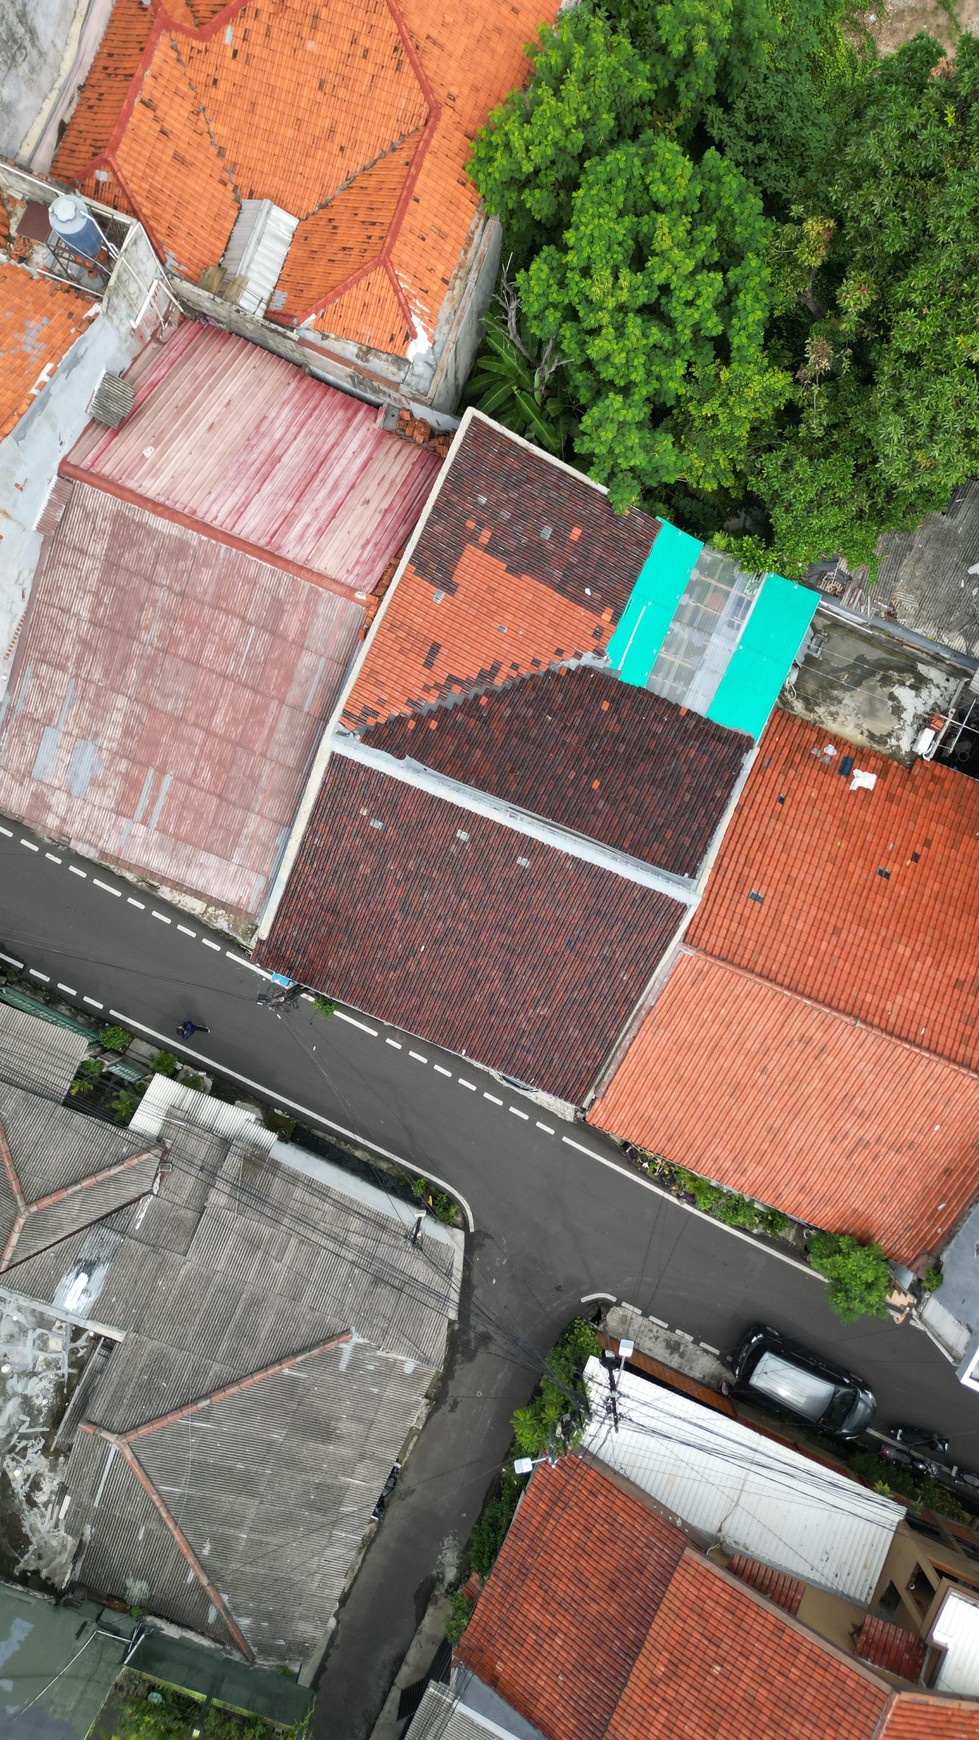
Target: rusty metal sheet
[166,698]
[238,439]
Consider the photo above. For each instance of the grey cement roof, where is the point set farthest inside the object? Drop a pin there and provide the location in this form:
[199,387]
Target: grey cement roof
[38,1055]
[860,682]
[926,572]
[237,1266]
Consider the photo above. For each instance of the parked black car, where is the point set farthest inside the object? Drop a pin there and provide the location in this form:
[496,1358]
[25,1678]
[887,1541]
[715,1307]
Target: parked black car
[778,1373]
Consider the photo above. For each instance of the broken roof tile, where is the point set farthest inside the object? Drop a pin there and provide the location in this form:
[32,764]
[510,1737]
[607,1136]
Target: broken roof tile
[895,951]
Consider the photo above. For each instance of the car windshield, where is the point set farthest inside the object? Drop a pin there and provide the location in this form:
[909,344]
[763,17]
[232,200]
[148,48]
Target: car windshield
[797,1388]
[844,1404]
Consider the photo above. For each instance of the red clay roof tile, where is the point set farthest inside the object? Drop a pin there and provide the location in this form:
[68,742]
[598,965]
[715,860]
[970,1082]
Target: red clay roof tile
[497,582]
[716,1661]
[800,1107]
[869,899]
[584,750]
[890,1646]
[355,117]
[777,1586]
[39,322]
[563,1617]
[915,1716]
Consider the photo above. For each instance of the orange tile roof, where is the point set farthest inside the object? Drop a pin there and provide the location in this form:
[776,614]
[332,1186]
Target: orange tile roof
[717,1661]
[354,115]
[601,1622]
[542,627]
[565,1612]
[915,1716]
[800,1107]
[39,321]
[869,900]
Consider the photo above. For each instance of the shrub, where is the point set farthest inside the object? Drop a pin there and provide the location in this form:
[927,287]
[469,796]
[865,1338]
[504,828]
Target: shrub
[735,1210]
[324,1006]
[491,1529]
[705,1195]
[115,1039]
[859,1276]
[280,1122]
[460,1613]
[773,1222]
[932,1279]
[194,1081]
[164,1063]
[124,1103]
[80,1087]
[90,1067]
[442,1206]
[552,1418]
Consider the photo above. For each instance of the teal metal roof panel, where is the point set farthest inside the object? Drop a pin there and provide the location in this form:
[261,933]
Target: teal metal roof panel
[643,625]
[761,660]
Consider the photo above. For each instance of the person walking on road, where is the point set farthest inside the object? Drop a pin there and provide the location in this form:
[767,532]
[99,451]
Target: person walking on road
[187,1029]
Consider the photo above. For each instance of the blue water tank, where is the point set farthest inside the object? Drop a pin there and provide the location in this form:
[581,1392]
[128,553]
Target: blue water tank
[74,223]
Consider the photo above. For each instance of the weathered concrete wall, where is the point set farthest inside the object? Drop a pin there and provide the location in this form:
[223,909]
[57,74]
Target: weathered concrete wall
[46,49]
[122,322]
[460,330]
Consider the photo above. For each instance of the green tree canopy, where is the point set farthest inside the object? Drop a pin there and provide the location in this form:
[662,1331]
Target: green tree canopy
[589,90]
[658,299]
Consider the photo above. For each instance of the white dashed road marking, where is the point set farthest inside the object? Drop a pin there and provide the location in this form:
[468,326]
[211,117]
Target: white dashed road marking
[8,832]
[341,1015]
[46,977]
[162,917]
[471,1085]
[548,1132]
[138,903]
[11,960]
[186,930]
[208,944]
[69,990]
[492,1099]
[53,857]
[417,1055]
[107,888]
[441,1069]
[517,1113]
[30,845]
[95,1004]
[395,1042]
[75,870]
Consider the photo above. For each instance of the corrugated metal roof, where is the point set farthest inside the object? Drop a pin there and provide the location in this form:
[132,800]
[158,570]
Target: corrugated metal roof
[166,697]
[249,446]
[956,1630]
[751,1494]
[37,1055]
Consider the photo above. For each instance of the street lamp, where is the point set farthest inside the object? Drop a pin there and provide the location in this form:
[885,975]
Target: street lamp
[527,1464]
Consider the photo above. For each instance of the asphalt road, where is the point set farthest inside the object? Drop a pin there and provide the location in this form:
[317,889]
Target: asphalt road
[557,1217]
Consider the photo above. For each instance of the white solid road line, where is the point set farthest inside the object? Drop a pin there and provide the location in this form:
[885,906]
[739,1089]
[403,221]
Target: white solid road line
[351,1020]
[587,1298]
[690,1208]
[278,1099]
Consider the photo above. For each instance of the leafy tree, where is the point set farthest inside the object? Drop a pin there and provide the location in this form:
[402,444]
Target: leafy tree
[694,49]
[882,335]
[658,298]
[859,1275]
[590,89]
[324,1006]
[491,1530]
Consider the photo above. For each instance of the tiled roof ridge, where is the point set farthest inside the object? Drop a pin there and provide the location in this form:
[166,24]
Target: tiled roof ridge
[503,813]
[486,685]
[165,26]
[226,1390]
[120,1443]
[800,997]
[25,1209]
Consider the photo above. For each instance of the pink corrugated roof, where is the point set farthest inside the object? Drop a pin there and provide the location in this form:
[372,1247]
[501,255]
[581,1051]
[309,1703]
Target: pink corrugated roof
[245,444]
[166,698]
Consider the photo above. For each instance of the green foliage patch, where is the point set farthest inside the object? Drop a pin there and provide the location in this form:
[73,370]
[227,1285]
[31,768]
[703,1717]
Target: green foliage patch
[858,1274]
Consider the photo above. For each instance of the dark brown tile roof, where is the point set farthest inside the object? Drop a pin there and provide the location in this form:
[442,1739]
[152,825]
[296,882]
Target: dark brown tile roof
[521,565]
[580,748]
[465,931]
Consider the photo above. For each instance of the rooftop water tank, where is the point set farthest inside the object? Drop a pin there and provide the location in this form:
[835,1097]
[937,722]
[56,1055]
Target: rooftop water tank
[74,223]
